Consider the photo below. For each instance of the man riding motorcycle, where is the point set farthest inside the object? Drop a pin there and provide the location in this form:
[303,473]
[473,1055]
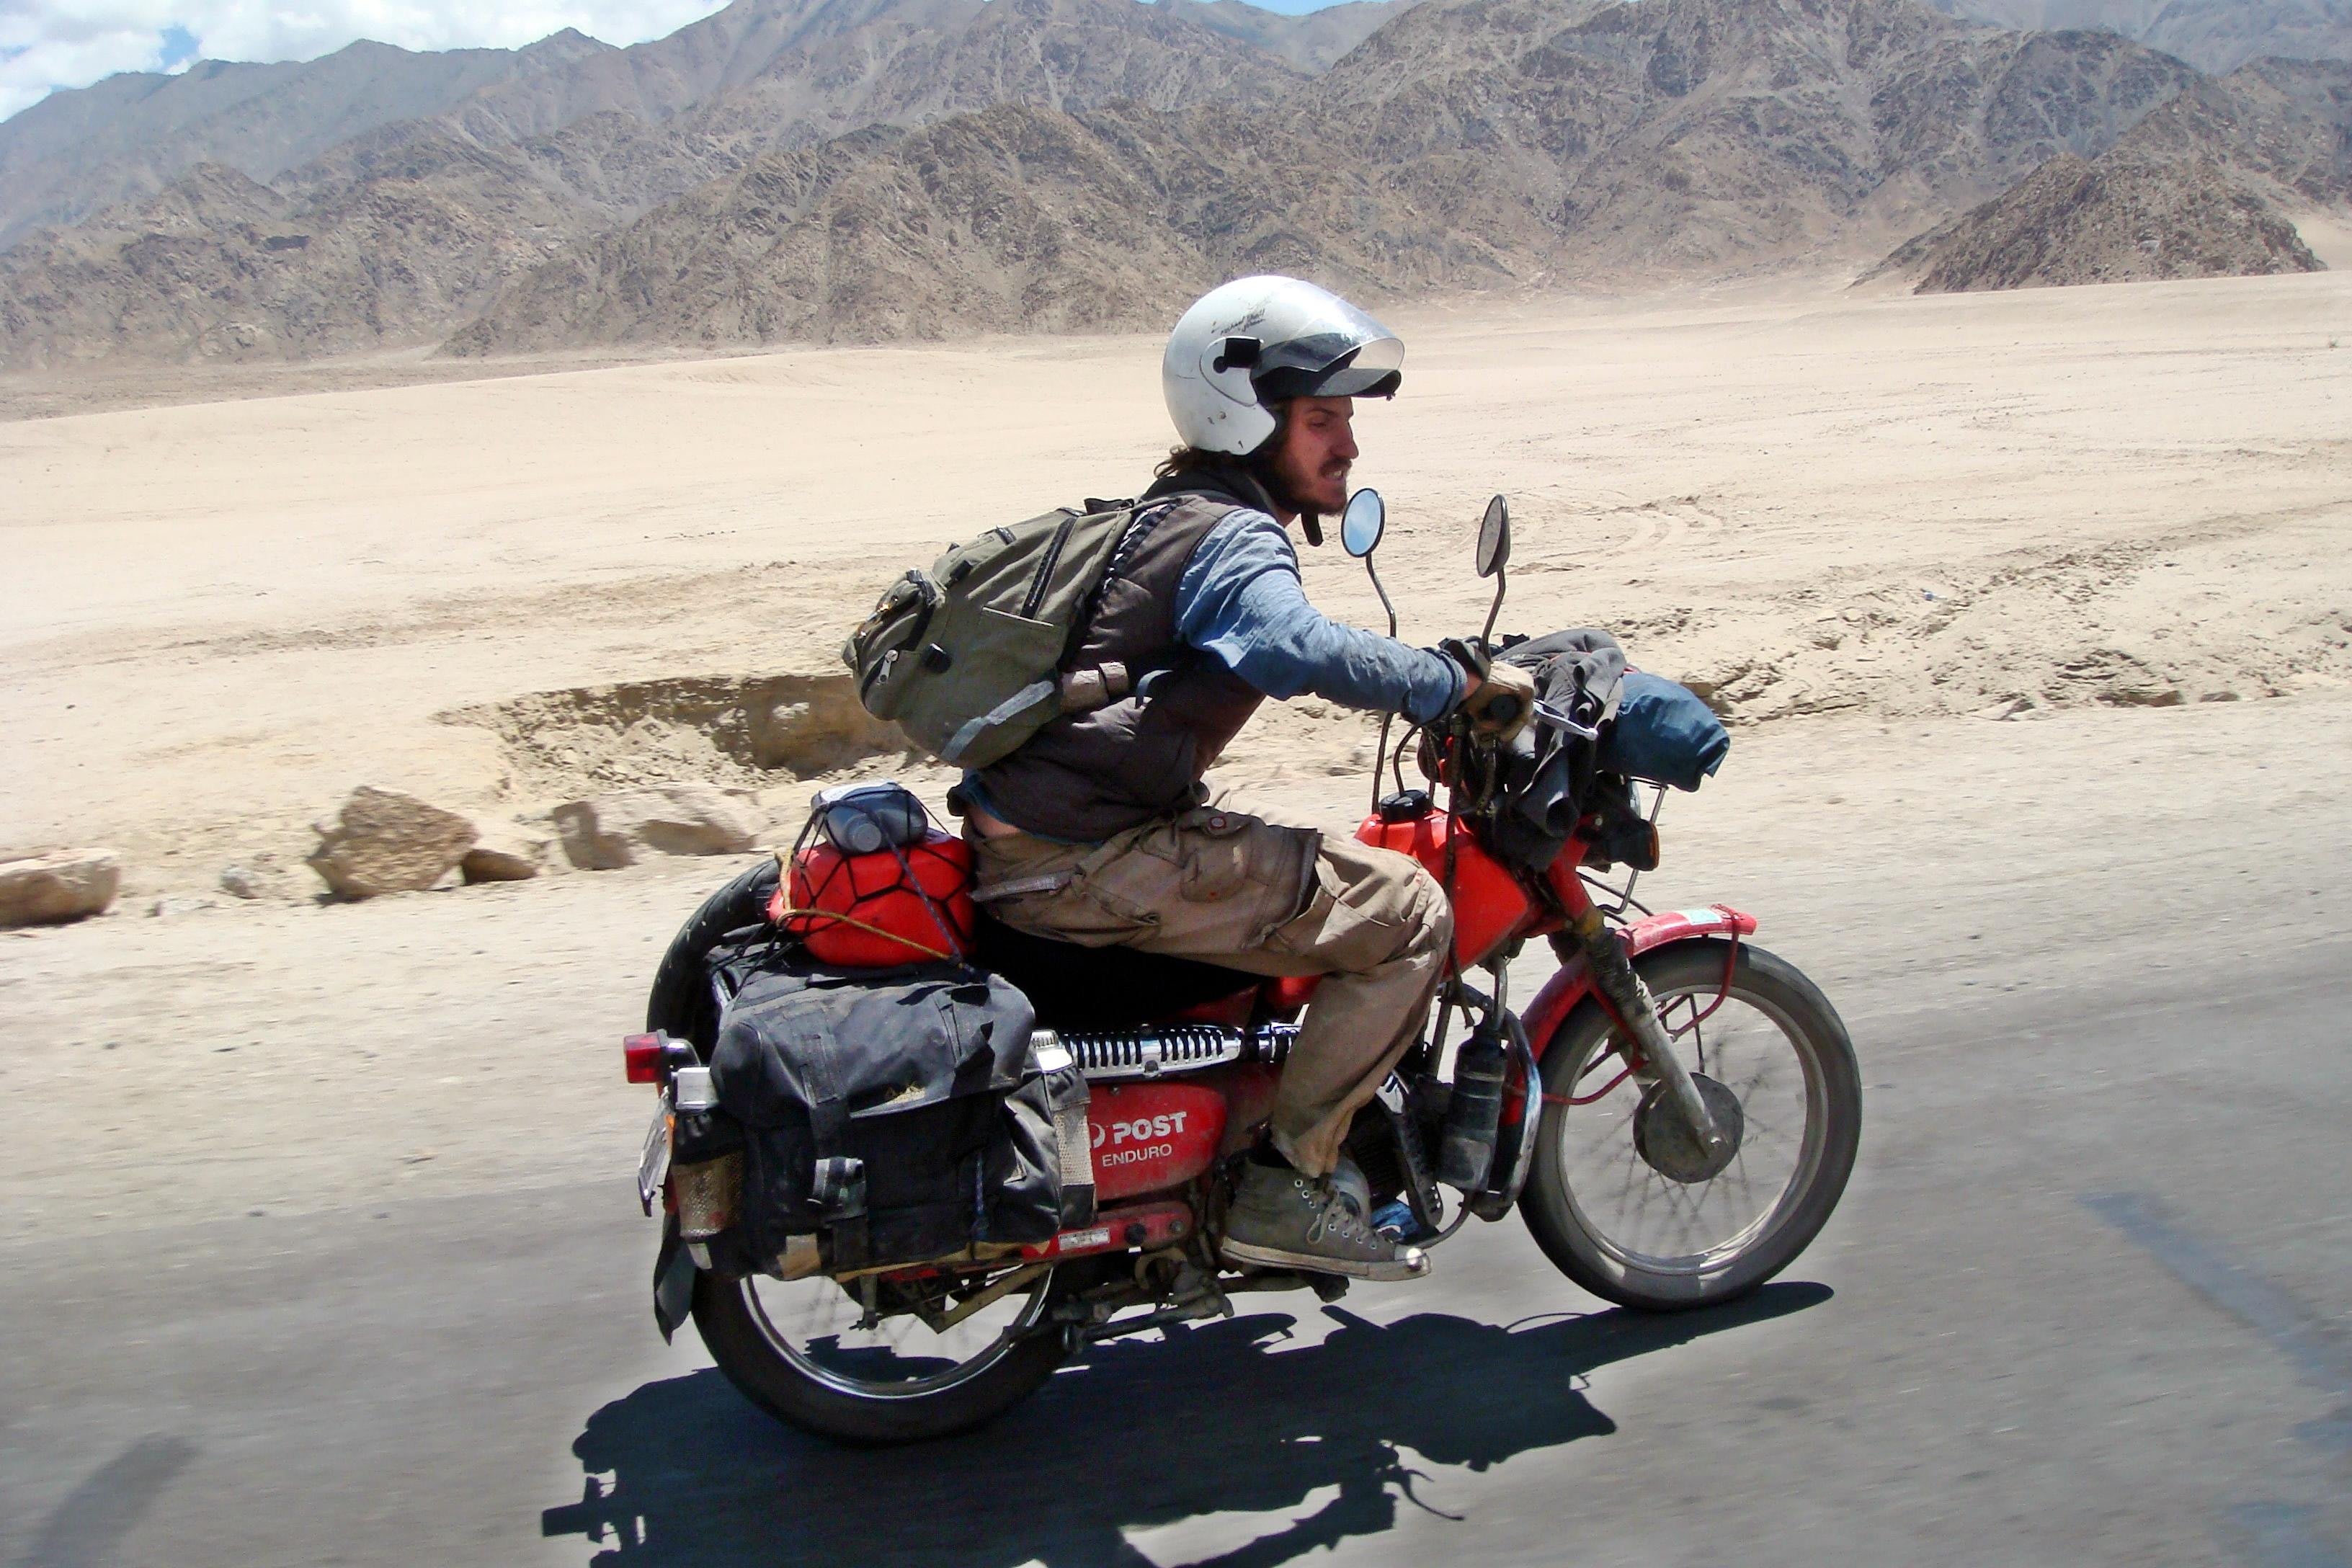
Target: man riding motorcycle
[1099,829]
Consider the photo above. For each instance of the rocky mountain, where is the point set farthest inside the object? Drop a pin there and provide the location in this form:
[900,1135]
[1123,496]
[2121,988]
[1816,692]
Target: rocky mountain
[78,153]
[786,71]
[399,234]
[2200,188]
[219,266]
[860,169]
[2119,218]
[381,242]
[2285,125]
[1016,219]
[2214,36]
[1311,43]
[1694,133]
[1468,143]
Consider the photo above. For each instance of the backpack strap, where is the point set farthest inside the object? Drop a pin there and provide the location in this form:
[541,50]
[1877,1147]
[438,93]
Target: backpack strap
[1084,690]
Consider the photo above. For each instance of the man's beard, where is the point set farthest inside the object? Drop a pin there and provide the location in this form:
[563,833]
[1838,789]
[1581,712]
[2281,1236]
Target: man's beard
[1331,488]
[1325,492]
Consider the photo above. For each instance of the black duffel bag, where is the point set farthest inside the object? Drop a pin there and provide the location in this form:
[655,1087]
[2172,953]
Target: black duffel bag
[904,1114]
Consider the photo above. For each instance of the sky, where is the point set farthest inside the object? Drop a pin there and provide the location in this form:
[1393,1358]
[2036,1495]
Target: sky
[47,44]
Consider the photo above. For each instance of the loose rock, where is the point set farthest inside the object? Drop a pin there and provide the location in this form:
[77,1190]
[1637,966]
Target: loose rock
[387,842]
[609,831]
[59,886]
[504,852]
[243,883]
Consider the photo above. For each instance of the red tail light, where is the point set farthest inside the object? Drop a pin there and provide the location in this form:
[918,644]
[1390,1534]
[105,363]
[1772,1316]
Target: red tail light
[643,1056]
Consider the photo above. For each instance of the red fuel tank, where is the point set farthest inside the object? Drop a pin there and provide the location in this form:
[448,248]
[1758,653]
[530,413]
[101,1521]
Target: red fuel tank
[1149,1137]
[1488,902]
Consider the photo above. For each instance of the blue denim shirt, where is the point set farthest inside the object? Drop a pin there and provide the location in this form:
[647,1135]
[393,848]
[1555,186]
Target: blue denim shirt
[1240,601]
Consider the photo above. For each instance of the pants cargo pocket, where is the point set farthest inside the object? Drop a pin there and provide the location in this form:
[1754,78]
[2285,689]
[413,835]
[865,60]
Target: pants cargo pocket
[1264,872]
[1054,896]
[1367,905]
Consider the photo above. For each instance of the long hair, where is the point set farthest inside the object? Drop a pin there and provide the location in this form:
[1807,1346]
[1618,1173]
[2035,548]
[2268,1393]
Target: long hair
[1182,461]
[1193,461]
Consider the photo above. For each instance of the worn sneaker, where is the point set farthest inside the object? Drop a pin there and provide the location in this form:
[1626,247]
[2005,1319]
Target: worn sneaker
[1281,1219]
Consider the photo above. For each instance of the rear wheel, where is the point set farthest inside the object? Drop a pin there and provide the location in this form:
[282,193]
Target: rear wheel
[799,1350]
[1632,1212]
[795,1348]
[681,1001]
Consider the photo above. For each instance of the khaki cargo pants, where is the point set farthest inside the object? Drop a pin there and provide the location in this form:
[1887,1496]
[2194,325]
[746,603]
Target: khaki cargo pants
[1220,885]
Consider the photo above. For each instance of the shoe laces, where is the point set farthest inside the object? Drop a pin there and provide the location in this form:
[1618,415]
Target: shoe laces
[1332,1216]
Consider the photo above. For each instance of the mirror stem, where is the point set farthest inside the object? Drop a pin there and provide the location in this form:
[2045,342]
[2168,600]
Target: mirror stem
[1379,757]
[1502,585]
[1381,589]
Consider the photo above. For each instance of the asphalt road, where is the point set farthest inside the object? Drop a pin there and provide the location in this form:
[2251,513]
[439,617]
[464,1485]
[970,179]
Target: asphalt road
[2088,1301]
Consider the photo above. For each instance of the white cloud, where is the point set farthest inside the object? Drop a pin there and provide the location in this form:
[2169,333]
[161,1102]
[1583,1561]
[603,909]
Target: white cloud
[47,44]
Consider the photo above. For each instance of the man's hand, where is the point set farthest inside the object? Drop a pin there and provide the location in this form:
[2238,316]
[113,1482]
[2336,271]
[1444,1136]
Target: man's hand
[1500,704]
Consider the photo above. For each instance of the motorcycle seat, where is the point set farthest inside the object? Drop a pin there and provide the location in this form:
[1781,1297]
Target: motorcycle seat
[1081,988]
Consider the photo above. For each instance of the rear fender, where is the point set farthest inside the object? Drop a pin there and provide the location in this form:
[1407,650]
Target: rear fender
[673,1281]
[1572,982]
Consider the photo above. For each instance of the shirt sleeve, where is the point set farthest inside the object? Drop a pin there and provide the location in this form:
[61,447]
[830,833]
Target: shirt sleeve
[1240,601]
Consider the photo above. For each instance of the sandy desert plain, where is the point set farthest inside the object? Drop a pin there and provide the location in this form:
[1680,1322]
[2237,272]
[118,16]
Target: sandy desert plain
[2034,612]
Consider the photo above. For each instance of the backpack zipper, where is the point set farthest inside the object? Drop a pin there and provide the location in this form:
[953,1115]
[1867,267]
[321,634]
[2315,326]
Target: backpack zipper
[928,599]
[1046,569]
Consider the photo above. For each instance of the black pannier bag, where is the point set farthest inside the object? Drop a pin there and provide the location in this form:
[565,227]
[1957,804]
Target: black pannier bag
[902,1114]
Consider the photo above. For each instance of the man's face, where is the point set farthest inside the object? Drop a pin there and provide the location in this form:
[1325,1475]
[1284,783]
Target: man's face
[1318,447]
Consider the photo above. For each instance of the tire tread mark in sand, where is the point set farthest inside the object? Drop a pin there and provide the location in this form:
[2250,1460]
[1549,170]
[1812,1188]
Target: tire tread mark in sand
[2280,1535]
[1770,679]
[87,1529]
[2322,1361]
[2272,1535]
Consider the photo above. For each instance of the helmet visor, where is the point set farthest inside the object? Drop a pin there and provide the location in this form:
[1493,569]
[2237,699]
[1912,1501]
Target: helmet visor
[1327,349]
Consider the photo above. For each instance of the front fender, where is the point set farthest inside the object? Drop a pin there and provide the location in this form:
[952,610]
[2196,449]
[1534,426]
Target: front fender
[1572,982]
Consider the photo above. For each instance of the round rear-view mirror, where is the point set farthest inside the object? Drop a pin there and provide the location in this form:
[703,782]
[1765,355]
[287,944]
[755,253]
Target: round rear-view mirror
[1494,537]
[1362,524]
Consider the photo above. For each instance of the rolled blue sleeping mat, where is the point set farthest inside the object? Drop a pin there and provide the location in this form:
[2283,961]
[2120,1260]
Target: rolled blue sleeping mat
[1662,732]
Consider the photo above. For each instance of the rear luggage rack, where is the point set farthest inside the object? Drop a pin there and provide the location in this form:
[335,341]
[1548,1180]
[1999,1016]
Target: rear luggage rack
[1174,1048]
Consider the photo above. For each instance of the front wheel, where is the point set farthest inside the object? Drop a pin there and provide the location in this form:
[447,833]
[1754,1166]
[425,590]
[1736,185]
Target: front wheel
[1628,1217]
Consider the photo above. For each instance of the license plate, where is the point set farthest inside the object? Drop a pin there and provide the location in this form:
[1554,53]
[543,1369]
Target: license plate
[653,1166]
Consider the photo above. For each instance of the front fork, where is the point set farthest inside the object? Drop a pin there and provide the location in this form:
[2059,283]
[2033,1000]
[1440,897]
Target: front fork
[1629,1006]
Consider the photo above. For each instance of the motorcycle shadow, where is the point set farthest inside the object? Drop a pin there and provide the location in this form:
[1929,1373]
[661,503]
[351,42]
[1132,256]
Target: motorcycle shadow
[1220,1418]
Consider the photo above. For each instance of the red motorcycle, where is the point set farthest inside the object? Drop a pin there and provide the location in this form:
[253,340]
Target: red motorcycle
[1674,1112]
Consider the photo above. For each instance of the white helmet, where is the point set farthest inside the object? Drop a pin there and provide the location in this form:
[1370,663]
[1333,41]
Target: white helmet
[1249,344]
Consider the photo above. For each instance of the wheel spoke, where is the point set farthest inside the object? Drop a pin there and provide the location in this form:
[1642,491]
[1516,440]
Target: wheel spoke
[1651,1221]
[813,1324]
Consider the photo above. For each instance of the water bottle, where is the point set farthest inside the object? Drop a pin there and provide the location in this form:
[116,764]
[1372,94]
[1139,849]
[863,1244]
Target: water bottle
[1473,1112]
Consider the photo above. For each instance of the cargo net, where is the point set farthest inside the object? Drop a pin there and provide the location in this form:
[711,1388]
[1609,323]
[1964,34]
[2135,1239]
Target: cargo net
[895,905]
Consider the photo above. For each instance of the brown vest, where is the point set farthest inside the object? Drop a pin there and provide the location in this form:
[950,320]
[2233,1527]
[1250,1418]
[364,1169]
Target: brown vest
[1086,776]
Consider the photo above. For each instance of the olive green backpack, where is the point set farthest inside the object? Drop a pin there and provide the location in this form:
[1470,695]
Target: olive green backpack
[966,657]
